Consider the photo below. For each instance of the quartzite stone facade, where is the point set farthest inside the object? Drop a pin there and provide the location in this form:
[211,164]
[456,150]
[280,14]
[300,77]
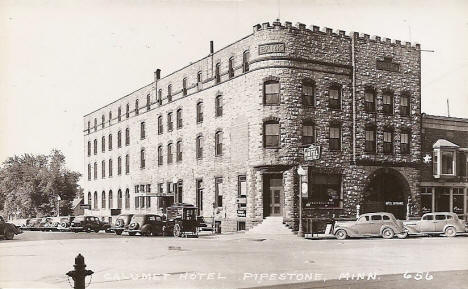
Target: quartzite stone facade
[289,54]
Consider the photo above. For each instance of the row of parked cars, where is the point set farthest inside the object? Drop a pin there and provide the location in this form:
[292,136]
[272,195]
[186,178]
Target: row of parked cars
[387,226]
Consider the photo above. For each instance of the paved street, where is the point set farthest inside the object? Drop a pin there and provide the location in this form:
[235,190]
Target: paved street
[236,260]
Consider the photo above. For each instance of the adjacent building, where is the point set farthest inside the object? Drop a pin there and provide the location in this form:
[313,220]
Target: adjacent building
[229,131]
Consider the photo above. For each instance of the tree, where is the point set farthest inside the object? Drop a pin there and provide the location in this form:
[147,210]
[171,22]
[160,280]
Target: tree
[29,185]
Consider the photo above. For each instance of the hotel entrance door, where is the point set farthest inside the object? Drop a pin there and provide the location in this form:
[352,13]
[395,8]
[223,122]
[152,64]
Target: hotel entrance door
[273,195]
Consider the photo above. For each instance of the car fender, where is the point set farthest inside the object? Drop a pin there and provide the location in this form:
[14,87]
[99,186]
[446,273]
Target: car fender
[393,227]
[349,231]
[453,226]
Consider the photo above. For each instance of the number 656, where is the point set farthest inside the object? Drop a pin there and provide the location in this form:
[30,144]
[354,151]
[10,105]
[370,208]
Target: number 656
[418,276]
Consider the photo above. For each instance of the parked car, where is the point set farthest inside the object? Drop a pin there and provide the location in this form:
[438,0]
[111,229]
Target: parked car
[371,225]
[87,224]
[146,225]
[8,230]
[33,224]
[65,223]
[121,223]
[182,220]
[437,223]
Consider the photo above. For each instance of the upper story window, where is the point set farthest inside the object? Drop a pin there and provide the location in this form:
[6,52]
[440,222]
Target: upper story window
[404,105]
[245,61]
[137,109]
[127,164]
[110,117]
[95,170]
[160,125]
[445,158]
[308,93]
[159,97]
[334,140]
[119,165]
[95,200]
[110,142]
[334,97]
[179,151]
[179,118]
[307,133]
[170,123]
[218,143]
[148,102]
[218,73]
[127,111]
[199,80]
[127,136]
[142,159]
[103,144]
[119,139]
[89,127]
[199,112]
[169,153]
[119,114]
[110,168]
[103,200]
[160,155]
[231,67]
[184,87]
[369,100]
[219,105]
[370,146]
[388,102]
[405,142]
[89,148]
[169,93]
[199,147]
[89,172]
[95,146]
[103,169]
[271,92]
[95,124]
[388,141]
[142,130]
[103,120]
[271,132]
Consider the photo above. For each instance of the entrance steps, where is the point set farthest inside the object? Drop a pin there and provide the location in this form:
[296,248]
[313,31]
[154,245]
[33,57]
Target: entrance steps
[270,226]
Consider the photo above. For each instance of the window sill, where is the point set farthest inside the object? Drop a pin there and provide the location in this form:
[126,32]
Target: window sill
[272,147]
[271,104]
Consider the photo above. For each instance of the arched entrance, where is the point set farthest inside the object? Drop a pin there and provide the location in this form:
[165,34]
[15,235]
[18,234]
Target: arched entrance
[387,191]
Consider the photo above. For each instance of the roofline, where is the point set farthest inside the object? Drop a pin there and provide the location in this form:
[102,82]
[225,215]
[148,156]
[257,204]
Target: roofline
[447,118]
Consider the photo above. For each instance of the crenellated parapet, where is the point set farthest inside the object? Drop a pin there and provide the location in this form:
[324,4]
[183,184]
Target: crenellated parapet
[313,29]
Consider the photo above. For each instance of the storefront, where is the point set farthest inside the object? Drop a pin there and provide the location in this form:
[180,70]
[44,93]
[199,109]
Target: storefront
[444,197]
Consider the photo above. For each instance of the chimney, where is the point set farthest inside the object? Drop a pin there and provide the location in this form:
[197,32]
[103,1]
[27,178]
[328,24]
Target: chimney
[157,74]
[211,47]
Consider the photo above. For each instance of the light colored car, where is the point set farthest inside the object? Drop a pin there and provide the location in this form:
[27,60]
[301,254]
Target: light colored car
[436,223]
[371,225]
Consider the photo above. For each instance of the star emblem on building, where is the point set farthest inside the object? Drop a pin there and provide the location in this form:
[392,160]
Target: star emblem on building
[427,158]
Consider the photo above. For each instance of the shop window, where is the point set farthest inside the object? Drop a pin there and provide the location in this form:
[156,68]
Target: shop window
[369,98]
[160,125]
[335,137]
[426,200]
[169,93]
[110,142]
[169,153]
[388,103]
[179,118]
[199,112]
[127,136]
[370,146]
[231,67]
[137,109]
[179,191]
[218,73]
[160,156]
[170,123]
[324,190]
[184,86]
[307,133]
[442,199]
[110,168]
[245,61]
[219,192]
[119,165]
[119,139]
[218,143]
[271,131]
[199,195]
[388,141]
[308,93]
[219,105]
[179,151]
[199,147]
[334,97]
[404,105]
[404,142]
[142,159]
[271,92]
[458,203]
[119,114]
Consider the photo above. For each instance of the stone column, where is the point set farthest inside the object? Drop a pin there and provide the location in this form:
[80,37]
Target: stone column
[290,208]
[433,199]
[451,200]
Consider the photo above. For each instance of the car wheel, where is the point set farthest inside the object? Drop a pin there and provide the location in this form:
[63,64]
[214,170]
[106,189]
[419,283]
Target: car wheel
[96,230]
[9,235]
[388,233]
[131,233]
[177,231]
[450,232]
[402,235]
[341,234]
[118,232]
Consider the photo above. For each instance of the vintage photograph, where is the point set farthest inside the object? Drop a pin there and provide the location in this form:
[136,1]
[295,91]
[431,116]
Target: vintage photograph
[234,144]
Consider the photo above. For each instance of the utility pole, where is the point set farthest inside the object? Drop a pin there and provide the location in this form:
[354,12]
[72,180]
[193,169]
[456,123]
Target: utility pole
[448,108]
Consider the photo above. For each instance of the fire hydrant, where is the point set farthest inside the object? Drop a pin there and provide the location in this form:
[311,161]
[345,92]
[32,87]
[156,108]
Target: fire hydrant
[79,274]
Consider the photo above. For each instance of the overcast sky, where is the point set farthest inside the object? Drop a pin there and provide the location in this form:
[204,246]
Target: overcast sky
[60,60]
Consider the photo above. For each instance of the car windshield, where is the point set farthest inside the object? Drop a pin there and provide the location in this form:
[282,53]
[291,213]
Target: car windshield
[190,214]
[385,217]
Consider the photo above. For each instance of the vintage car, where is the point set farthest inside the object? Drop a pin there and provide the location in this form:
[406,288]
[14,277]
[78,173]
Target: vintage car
[182,220]
[65,223]
[33,224]
[146,225]
[435,224]
[50,224]
[8,230]
[88,224]
[371,225]
[121,223]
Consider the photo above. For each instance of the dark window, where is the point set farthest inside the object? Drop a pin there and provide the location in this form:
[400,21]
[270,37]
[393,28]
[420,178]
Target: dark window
[440,217]
[127,136]
[95,124]
[103,199]
[110,117]
[89,148]
[219,192]
[95,146]
[169,93]
[184,87]
[170,124]
[110,142]
[179,118]
[245,61]
[218,73]
[89,198]
[127,111]
[271,92]
[95,170]
[103,120]
[325,190]
[199,147]
[179,151]
[179,191]
[95,200]
[199,79]
[103,169]
[160,156]
[404,105]
[119,199]
[119,165]
[127,199]
[110,200]
[110,168]
[148,102]
[103,144]
[335,138]
[119,114]
[241,186]
[89,172]
[169,153]
[271,133]
[160,125]
[308,93]
[385,217]
[219,143]
[404,142]
[199,112]
[127,164]
[142,159]
[388,142]
[334,97]
[428,218]
[307,133]
[159,97]
[137,109]
[137,202]
[388,103]
[89,127]
[199,196]
[219,105]
[231,67]
[376,218]
[370,145]
[369,98]
[119,139]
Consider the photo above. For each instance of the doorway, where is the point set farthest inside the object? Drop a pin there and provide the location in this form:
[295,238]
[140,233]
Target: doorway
[273,195]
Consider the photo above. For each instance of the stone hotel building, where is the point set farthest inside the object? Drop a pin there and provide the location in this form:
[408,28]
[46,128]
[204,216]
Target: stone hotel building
[228,132]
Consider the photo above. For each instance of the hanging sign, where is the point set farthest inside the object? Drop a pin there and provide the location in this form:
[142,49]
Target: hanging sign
[312,153]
